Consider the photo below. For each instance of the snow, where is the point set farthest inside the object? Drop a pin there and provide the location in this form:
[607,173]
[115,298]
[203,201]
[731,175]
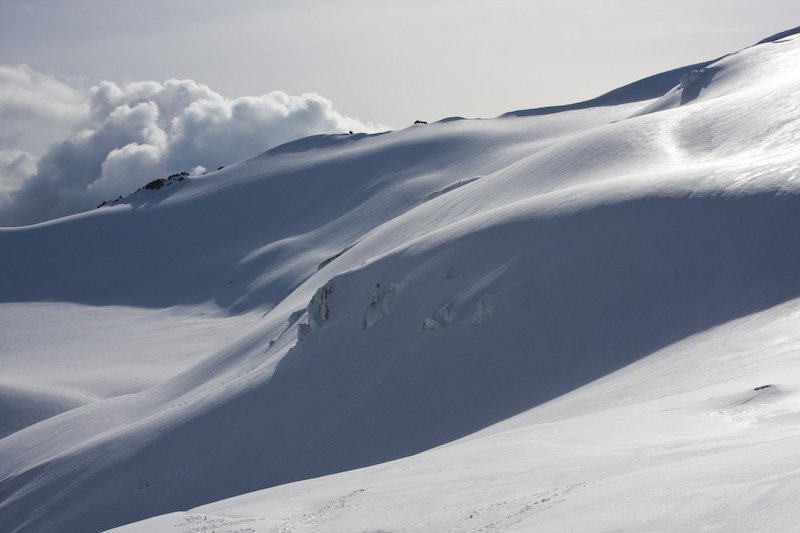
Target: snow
[644,448]
[58,356]
[353,333]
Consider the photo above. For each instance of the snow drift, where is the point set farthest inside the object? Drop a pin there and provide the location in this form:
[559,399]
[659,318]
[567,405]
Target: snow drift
[397,304]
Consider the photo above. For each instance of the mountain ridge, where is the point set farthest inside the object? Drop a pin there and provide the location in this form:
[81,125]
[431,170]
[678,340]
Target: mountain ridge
[581,245]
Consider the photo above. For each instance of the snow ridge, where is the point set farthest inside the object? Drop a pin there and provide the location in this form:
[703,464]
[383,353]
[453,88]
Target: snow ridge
[586,337]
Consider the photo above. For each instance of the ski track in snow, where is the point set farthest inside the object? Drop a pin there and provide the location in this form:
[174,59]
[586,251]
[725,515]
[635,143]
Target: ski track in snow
[195,523]
[316,516]
[505,514]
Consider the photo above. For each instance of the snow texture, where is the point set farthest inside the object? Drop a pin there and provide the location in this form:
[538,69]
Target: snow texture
[599,334]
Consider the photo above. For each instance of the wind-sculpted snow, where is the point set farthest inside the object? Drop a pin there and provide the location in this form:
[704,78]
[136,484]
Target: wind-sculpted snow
[639,91]
[23,406]
[451,187]
[380,304]
[597,245]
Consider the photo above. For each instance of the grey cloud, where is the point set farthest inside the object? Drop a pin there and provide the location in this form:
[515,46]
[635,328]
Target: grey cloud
[15,166]
[36,109]
[128,135]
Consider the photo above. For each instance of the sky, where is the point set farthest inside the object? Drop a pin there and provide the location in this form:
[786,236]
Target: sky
[98,97]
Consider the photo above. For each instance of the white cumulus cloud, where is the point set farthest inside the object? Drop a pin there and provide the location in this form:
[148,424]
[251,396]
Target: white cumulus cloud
[115,138]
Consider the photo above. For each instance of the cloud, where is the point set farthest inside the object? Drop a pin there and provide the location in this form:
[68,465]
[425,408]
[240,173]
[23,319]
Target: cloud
[15,166]
[121,137]
[36,109]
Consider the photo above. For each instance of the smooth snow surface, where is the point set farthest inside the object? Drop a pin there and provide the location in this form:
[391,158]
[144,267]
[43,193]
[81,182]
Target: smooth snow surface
[582,320]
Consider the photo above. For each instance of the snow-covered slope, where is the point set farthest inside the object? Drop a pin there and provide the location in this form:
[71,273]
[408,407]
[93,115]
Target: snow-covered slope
[679,441]
[540,321]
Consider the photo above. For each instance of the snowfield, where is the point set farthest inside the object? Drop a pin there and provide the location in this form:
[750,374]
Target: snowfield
[577,319]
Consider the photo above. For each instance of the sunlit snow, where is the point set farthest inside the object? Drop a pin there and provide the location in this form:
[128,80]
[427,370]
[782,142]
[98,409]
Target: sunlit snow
[584,319]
